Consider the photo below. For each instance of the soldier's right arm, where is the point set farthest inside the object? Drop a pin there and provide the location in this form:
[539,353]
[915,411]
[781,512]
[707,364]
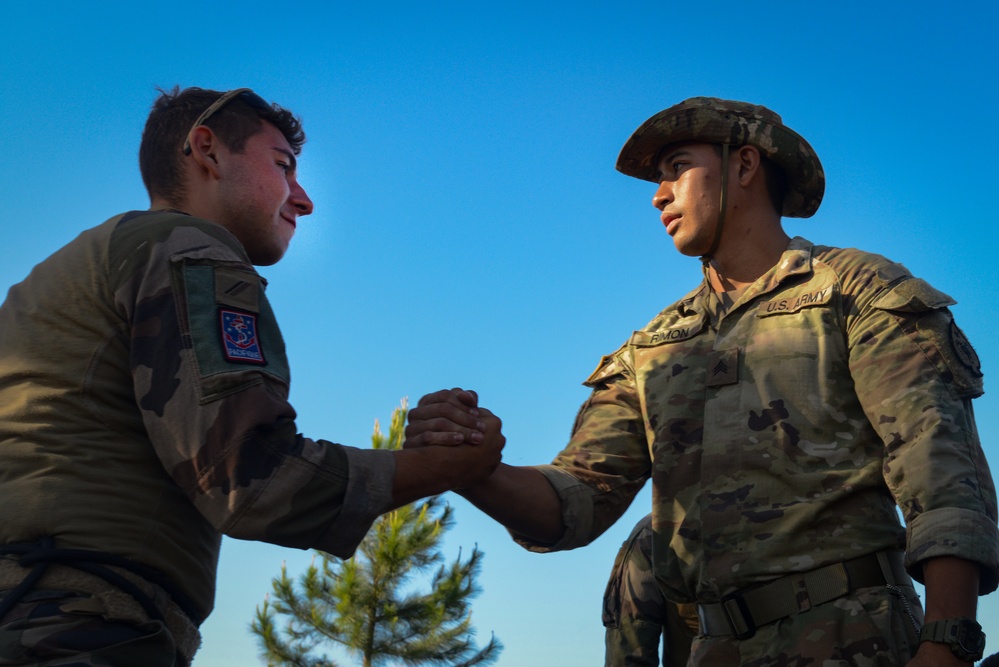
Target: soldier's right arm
[522,500]
[211,382]
[571,502]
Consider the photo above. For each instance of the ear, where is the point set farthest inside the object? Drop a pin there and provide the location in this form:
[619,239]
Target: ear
[749,163]
[205,150]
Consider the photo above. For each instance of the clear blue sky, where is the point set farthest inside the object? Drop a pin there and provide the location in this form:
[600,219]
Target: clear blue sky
[469,226]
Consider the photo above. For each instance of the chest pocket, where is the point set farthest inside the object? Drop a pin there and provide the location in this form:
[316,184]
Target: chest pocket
[669,354]
[795,341]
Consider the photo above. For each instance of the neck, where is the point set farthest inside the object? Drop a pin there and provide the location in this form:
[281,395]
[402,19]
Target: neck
[187,205]
[741,260]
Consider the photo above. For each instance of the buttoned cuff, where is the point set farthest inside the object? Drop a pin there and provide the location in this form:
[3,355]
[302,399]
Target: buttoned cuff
[369,493]
[958,532]
[577,512]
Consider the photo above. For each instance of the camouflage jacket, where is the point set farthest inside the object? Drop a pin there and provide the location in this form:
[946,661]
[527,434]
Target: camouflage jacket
[144,408]
[780,438]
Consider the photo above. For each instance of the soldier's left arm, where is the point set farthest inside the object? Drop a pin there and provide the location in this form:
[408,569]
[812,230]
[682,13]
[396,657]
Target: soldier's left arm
[951,592]
[916,375]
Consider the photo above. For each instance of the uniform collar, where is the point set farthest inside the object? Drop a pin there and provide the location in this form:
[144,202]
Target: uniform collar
[796,260]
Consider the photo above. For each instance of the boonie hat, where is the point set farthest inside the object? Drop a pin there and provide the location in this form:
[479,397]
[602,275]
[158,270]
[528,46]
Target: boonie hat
[718,121]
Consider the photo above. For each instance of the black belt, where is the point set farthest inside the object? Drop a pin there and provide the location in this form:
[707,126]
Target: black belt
[740,613]
[39,555]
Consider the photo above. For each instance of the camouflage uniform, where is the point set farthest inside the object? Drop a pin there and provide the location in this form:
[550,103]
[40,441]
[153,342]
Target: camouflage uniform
[64,629]
[779,439]
[144,411]
[637,615]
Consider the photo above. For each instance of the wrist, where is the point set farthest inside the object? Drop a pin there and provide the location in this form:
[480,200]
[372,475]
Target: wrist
[961,636]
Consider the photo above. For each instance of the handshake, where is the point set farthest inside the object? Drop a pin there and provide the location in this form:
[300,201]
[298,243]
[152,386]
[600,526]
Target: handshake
[460,441]
[452,444]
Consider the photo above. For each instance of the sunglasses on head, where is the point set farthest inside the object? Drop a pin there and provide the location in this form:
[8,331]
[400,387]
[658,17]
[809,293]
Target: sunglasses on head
[244,94]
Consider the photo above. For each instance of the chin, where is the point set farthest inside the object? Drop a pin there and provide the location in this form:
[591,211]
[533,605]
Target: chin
[267,257]
[689,247]
[685,249]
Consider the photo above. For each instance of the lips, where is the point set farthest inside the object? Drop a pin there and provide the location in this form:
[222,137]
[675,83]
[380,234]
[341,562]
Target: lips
[669,221]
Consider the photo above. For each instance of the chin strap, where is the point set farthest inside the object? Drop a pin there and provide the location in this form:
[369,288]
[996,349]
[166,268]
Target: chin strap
[706,257]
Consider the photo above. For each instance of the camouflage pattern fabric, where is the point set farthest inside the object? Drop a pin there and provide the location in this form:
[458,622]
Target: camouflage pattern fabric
[780,438]
[867,628]
[637,616]
[715,121]
[62,629]
[148,342]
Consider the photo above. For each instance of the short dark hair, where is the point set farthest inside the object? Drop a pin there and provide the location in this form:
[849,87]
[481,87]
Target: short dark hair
[774,176]
[173,113]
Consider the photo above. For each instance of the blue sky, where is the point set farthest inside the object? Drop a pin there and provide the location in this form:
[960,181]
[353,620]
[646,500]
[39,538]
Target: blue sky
[469,226]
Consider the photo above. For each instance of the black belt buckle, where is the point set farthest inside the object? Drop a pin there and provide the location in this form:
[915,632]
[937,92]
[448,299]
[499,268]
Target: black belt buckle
[744,613]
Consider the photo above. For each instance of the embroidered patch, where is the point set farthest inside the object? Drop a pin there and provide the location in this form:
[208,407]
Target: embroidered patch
[683,330]
[723,368]
[239,337]
[793,304]
[965,353]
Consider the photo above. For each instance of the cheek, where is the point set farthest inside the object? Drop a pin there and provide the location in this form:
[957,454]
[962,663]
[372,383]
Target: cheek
[704,194]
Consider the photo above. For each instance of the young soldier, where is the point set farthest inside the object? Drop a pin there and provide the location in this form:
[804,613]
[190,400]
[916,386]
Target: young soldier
[144,404]
[781,409]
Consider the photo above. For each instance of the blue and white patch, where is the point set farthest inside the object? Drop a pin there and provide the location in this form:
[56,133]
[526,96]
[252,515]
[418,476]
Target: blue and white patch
[240,342]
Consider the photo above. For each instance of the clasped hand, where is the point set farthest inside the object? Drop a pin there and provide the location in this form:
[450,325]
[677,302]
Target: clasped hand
[452,418]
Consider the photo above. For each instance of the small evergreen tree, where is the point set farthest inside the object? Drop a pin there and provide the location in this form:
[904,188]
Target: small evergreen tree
[367,603]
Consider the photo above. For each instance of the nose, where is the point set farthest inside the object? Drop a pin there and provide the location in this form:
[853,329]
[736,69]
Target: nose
[299,199]
[663,196]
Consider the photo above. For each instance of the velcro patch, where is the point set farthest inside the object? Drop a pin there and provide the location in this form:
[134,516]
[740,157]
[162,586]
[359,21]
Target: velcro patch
[792,304]
[237,288]
[964,352]
[723,368]
[680,331]
[240,342]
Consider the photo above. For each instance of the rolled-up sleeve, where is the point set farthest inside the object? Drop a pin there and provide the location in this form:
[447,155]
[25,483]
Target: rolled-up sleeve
[607,460]
[916,374]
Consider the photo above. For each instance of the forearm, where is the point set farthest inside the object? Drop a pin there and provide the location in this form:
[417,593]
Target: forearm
[951,588]
[522,500]
[429,471]
[951,592]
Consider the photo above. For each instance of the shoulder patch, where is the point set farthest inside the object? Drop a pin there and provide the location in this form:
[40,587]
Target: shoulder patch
[964,352]
[240,342]
[237,288]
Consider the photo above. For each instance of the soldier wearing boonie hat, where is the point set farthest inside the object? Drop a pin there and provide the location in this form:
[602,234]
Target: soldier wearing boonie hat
[778,409]
[728,123]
